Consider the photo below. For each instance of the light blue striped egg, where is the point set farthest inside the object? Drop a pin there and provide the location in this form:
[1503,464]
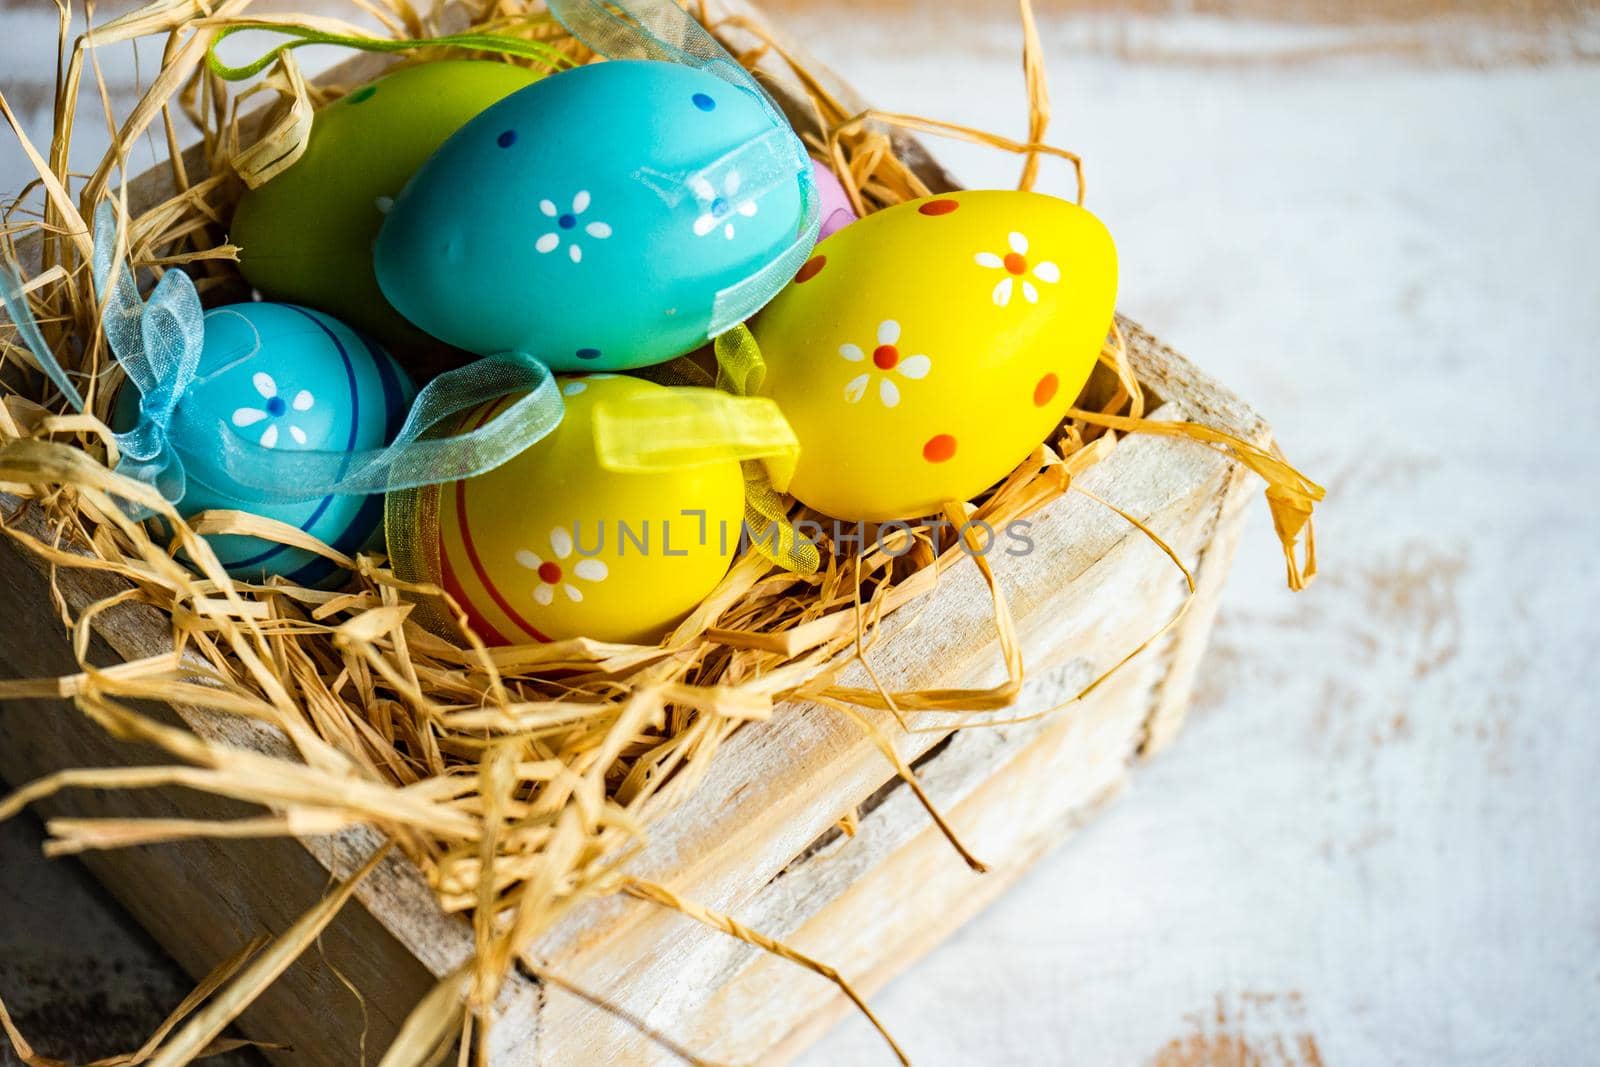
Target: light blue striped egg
[285,378]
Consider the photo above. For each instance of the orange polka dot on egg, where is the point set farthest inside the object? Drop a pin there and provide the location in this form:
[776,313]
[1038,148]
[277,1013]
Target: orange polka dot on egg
[1045,391]
[939,448]
[938,207]
[811,269]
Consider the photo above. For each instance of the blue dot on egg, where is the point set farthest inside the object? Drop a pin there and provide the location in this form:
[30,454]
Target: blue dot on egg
[703,101]
[567,222]
[276,406]
[588,353]
[506,139]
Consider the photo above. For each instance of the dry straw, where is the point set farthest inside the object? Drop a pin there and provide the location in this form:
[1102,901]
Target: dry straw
[520,780]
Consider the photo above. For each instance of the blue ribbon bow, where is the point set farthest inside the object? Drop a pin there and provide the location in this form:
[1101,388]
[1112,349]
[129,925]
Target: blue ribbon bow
[159,343]
[158,346]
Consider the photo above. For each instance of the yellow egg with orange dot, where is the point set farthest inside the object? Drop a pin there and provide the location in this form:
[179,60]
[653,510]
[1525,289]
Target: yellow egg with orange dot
[550,546]
[924,351]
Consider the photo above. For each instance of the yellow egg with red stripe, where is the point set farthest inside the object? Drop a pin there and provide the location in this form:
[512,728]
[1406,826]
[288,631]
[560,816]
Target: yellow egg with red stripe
[924,351]
[551,546]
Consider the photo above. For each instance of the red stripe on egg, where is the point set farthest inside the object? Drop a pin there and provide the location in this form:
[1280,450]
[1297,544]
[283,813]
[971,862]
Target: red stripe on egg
[472,550]
[452,585]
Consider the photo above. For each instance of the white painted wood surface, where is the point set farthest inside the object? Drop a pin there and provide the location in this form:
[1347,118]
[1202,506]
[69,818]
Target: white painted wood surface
[1378,840]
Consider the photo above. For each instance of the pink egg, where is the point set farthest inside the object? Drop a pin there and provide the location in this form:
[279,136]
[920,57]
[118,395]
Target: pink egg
[836,210]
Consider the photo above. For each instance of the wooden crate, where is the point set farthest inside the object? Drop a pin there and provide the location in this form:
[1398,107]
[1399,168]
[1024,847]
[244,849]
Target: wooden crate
[759,838]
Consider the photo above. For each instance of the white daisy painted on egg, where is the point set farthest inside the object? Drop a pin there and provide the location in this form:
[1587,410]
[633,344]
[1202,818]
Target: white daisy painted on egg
[887,361]
[1020,274]
[274,411]
[567,226]
[718,209]
[554,575]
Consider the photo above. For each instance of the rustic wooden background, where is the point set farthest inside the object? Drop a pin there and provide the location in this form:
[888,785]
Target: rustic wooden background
[1379,840]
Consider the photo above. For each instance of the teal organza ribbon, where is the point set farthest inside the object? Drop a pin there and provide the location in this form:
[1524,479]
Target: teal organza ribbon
[661,30]
[158,344]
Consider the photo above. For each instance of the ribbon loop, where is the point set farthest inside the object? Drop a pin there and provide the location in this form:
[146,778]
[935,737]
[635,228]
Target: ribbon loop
[164,360]
[741,368]
[158,346]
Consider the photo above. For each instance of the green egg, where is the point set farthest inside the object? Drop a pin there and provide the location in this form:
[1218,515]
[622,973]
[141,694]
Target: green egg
[306,236]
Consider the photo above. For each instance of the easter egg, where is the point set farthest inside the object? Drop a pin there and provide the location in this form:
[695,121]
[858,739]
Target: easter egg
[306,235]
[922,352]
[551,546]
[284,378]
[566,221]
[835,203]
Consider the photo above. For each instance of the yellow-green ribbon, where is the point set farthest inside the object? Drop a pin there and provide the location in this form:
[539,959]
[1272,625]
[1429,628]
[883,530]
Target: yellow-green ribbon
[741,369]
[690,427]
[502,44]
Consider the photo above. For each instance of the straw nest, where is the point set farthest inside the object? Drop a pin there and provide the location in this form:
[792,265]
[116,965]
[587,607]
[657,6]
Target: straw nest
[520,780]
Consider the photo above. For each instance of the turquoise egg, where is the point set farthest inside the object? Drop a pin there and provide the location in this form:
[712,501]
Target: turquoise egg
[560,221]
[285,378]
